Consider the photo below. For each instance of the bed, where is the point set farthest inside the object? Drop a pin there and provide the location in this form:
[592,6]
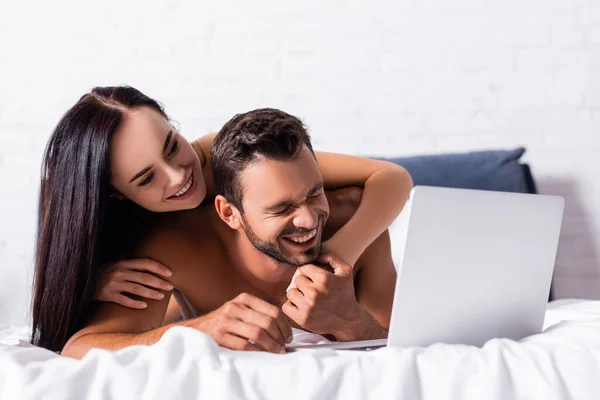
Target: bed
[563,362]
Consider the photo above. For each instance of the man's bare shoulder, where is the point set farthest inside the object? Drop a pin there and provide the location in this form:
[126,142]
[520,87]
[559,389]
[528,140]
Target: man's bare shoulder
[376,280]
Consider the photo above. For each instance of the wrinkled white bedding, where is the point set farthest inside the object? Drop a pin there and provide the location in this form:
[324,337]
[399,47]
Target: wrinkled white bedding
[561,363]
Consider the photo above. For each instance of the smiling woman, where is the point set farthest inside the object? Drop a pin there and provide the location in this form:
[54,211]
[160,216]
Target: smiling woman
[114,144]
[152,165]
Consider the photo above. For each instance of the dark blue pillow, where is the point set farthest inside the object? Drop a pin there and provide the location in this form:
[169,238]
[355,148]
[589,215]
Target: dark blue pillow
[498,170]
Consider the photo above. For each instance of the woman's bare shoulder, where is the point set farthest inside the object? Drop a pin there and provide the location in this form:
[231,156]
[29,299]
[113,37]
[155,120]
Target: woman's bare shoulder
[202,147]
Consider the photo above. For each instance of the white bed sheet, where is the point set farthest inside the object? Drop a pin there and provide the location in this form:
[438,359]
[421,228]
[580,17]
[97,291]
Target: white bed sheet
[562,363]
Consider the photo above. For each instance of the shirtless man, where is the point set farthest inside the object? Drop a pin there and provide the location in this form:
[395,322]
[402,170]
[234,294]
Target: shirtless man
[268,218]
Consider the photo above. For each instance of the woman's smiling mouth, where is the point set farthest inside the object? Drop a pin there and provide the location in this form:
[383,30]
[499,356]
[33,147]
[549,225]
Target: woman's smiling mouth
[186,190]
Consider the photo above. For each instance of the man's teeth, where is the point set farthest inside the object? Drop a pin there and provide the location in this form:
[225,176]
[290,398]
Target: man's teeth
[304,238]
[185,188]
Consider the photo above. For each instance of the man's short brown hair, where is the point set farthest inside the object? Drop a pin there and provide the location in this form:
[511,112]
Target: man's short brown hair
[265,133]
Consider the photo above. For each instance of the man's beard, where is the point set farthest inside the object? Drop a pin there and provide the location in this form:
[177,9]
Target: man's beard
[275,252]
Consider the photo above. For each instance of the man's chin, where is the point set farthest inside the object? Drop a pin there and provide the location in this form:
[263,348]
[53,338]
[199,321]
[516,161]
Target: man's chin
[305,257]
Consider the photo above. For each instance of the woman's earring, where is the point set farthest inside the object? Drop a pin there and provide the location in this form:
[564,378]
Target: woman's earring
[117,196]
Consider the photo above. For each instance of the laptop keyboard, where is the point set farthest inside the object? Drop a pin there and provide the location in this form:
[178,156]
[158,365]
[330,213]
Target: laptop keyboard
[365,348]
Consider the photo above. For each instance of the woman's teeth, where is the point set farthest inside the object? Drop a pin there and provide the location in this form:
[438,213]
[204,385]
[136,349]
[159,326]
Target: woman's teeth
[185,188]
[305,238]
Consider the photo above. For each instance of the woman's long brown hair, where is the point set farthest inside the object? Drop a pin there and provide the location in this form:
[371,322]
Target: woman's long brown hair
[81,227]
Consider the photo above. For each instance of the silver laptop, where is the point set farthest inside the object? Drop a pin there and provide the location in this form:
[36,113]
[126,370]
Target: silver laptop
[474,265]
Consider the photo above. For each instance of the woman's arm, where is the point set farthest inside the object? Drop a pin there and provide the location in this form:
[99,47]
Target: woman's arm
[386,187]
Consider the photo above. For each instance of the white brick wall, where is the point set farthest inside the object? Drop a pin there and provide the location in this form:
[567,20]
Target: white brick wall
[379,77]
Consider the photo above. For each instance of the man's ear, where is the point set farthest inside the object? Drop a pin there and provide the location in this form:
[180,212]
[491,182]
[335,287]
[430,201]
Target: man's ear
[228,212]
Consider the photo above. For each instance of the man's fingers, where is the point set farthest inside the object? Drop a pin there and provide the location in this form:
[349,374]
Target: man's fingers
[147,279]
[296,297]
[291,310]
[284,327]
[340,268]
[312,272]
[139,290]
[255,333]
[145,264]
[237,343]
[257,304]
[269,309]
[303,283]
[269,324]
[127,302]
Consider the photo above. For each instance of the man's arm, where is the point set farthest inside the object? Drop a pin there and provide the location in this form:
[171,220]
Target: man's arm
[332,303]
[114,327]
[239,321]
[374,287]
[375,283]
